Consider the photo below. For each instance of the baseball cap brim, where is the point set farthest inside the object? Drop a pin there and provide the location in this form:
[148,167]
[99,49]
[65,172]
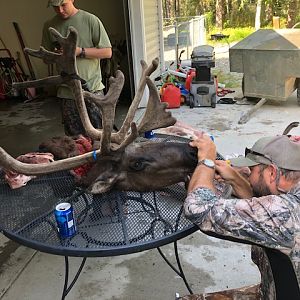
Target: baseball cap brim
[243,162]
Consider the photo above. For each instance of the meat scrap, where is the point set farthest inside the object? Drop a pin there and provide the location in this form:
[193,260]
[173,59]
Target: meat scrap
[17,180]
[83,145]
[181,129]
[66,146]
[295,138]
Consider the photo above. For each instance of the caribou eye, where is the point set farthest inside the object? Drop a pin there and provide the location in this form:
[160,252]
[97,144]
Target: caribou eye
[138,165]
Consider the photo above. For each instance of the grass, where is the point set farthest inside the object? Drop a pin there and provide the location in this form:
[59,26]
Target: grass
[231,80]
[235,35]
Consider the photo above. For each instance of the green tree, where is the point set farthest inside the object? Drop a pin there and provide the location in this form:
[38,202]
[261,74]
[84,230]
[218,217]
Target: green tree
[235,13]
[292,13]
[219,14]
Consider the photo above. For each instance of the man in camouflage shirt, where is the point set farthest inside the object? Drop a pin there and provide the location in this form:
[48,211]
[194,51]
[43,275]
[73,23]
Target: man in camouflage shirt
[267,208]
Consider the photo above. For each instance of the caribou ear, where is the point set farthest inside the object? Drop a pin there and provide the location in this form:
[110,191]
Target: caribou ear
[103,183]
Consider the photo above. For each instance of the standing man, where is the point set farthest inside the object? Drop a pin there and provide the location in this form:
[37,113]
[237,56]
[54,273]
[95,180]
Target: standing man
[93,45]
[267,212]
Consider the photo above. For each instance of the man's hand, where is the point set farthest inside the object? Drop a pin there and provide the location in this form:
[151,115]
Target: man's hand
[206,147]
[224,172]
[58,50]
[78,51]
[241,186]
[203,176]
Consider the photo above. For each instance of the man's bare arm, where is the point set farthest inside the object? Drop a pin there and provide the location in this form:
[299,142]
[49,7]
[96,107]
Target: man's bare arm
[100,53]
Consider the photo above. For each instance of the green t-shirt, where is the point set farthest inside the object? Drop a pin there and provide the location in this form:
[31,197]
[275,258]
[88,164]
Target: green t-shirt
[91,33]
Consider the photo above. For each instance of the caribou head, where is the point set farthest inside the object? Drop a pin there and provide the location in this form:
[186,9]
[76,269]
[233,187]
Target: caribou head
[122,161]
[143,166]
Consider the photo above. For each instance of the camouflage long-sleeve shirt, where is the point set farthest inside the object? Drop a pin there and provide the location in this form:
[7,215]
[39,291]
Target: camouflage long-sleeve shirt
[271,221]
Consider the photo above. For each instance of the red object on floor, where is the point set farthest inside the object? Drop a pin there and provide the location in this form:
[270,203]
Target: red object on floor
[171,94]
[191,74]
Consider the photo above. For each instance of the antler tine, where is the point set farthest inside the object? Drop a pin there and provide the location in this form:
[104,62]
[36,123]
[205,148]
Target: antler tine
[52,80]
[107,105]
[155,115]
[129,138]
[10,163]
[47,56]
[65,61]
[146,71]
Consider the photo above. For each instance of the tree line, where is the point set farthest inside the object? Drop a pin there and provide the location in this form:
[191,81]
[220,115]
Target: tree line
[235,13]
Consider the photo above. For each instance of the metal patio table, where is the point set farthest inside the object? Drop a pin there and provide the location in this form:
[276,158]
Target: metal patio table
[110,224]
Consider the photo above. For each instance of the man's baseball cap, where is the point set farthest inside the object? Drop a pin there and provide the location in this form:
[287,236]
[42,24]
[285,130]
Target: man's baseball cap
[278,150]
[55,2]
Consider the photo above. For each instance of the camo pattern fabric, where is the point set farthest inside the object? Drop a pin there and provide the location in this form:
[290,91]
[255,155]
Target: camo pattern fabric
[272,221]
[71,119]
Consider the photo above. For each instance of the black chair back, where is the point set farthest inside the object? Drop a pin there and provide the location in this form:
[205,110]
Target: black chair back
[285,279]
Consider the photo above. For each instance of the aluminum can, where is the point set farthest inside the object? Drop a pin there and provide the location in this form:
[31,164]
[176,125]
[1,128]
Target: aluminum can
[149,134]
[65,220]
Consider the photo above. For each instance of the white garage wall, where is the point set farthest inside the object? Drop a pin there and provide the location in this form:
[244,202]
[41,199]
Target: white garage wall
[153,29]
[146,36]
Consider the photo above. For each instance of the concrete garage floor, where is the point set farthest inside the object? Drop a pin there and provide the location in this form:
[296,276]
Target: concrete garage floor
[209,264]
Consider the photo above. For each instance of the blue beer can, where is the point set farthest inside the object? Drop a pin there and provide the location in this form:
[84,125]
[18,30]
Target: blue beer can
[65,220]
[149,134]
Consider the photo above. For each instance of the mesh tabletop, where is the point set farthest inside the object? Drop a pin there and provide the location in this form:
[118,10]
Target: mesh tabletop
[109,224]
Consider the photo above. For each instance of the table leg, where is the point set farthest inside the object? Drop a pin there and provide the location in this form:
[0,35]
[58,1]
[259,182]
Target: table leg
[179,272]
[67,288]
